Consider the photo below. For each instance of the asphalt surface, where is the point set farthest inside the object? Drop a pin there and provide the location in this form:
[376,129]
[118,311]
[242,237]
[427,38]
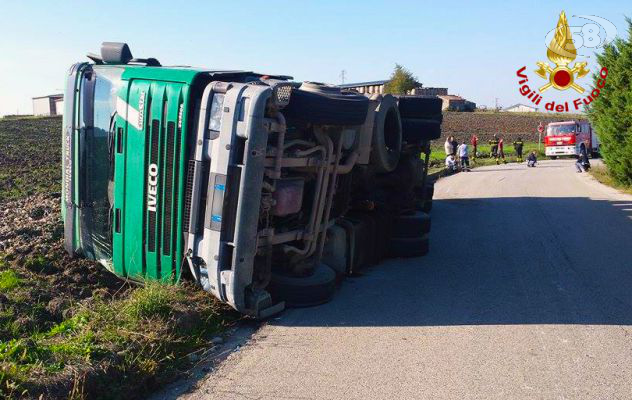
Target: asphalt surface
[526,293]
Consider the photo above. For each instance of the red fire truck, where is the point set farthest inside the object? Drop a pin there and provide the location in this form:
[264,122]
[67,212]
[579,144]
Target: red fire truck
[570,138]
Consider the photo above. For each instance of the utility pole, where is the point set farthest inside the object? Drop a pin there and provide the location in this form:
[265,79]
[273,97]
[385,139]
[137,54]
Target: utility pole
[343,75]
[496,103]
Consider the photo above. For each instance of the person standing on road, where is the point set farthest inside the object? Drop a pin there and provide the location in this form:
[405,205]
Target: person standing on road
[531,159]
[501,151]
[474,142]
[493,144]
[455,146]
[463,152]
[447,146]
[518,147]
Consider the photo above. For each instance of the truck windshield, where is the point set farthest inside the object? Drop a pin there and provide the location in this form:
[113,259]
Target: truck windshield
[99,105]
[558,130]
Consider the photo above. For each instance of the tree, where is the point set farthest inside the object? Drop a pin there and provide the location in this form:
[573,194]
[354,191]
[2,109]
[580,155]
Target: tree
[611,111]
[401,82]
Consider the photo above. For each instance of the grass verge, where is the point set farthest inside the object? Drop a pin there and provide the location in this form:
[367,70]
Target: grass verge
[110,347]
[602,175]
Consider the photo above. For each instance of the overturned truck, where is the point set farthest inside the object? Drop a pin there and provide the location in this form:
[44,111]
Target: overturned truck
[265,191]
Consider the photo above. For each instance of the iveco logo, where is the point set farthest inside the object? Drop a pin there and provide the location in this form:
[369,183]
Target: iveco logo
[152,183]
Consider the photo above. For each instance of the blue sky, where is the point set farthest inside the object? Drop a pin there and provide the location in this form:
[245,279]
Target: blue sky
[473,48]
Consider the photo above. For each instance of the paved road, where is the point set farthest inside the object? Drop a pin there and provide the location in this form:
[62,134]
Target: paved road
[526,293]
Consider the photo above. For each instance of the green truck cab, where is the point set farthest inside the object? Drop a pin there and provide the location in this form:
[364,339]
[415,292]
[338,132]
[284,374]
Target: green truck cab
[243,181]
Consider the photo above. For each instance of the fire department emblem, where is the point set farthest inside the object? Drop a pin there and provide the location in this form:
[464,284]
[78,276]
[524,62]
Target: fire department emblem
[562,52]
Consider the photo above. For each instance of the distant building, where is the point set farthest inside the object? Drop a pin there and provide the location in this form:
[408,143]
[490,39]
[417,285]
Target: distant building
[377,87]
[520,108]
[450,102]
[431,91]
[456,103]
[470,105]
[371,87]
[48,105]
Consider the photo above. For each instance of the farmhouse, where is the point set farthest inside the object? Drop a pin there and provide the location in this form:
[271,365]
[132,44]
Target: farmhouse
[456,103]
[52,104]
[520,108]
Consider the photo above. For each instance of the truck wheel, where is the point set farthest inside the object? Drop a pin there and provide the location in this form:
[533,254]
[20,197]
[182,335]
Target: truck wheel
[411,225]
[383,228]
[553,157]
[387,136]
[416,130]
[427,206]
[419,107]
[409,247]
[419,192]
[322,104]
[429,191]
[304,291]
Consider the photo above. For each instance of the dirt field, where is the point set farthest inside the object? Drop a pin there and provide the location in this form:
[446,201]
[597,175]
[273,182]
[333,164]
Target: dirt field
[68,327]
[486,124]
[30,156]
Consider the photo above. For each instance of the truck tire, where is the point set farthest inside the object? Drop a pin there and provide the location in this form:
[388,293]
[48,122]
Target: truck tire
[427,206]
[386,145]
[415,130]
[409,247]
[429,192]
[322,104]
[411,225]
[420,106]
[304,291]
[383,228]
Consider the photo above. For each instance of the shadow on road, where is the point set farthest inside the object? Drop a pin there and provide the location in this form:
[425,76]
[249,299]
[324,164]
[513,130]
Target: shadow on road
[524,260]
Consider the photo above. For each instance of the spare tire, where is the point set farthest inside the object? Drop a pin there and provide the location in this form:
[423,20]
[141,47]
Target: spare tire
[419,106]
[322,104]
[416,130]
[304,291]
[411,225]
[386,145]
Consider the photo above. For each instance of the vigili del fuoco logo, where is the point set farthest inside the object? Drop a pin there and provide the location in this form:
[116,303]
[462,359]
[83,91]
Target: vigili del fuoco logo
[563,72]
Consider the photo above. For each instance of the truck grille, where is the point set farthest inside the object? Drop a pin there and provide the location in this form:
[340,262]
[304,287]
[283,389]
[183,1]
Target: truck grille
[166,232]
[176,179]
[188,196]
[153,159]
[164,141]
[149,179]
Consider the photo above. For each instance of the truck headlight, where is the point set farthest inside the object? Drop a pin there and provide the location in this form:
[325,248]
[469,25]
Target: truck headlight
[215,119]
